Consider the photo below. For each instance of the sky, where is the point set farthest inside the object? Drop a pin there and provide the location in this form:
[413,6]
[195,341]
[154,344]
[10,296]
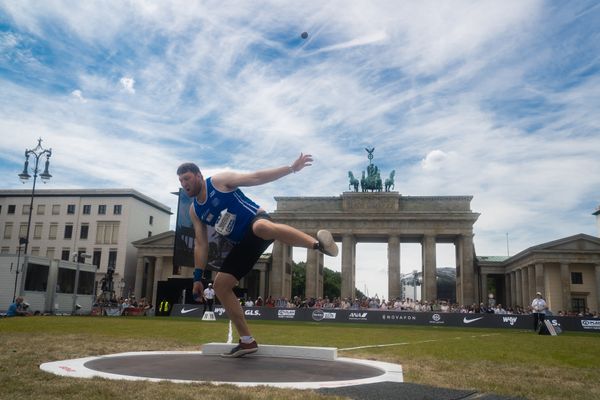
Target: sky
[497,100]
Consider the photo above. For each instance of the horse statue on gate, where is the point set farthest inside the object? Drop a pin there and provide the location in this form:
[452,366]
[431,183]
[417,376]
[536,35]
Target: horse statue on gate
[389,182]
[371,178]
[353,181]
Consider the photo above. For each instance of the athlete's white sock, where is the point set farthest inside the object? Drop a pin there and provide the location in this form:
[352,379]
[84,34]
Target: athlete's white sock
[247,339]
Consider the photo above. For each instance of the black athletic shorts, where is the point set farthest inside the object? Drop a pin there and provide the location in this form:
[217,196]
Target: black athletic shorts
[244,255]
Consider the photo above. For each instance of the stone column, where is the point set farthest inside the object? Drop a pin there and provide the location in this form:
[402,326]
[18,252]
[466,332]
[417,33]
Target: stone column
[519,291]
[158,274]
[288,252]
[507,295]
[394,286]
[526,301]
[348,266]
[312,272]
[467,270]
[276,277]
[320,280]
[484,292]
[429,285]
[532,282]
[150,294]
[139,278]
[458,253]
[262,284]
[539,279]
[513,289]
[565,283]
[597,269]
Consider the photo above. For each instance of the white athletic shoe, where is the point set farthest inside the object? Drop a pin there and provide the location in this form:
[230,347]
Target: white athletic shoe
[326,243]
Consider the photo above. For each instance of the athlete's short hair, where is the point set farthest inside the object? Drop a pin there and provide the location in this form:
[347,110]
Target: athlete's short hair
[188,167]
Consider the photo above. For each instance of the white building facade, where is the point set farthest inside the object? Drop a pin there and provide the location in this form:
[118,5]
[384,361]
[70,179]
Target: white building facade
[68,223]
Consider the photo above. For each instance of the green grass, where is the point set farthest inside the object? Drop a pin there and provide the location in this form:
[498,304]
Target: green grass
[506,362]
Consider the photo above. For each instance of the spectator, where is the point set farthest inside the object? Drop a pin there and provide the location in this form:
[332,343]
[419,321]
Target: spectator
[209,296]
[18,308]
[270,302]
[499,310]
[539,307]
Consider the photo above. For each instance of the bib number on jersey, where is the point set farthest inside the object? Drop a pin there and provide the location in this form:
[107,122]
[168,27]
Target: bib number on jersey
[225,223]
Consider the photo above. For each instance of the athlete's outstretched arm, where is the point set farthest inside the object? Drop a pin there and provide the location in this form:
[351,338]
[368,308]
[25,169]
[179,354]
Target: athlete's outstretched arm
[200,252]
[233,180]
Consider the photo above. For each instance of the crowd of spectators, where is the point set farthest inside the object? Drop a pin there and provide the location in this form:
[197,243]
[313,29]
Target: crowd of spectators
[406,304]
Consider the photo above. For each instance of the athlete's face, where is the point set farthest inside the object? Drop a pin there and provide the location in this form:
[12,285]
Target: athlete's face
[191,183]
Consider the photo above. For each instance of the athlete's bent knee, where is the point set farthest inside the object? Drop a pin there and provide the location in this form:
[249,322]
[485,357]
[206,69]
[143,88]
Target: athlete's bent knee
[263,229]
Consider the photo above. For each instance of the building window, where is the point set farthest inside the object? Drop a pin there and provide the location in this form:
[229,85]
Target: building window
[23,230]
[86,282]
[64,255]
[8,230]
[80,257]
[151,220]
[37,277]
[53,232]
[25,209]
[117,208]
[83,232]
[50,253]
[55,209]
[0,208]
[107,232]
[71,209]
[35,251]
[102,209]
[68,231]
[5,250]
[96,258]
[11,208]
[65,283]
[37,231]
[578,304]
[87,209]
[577,278]
[112,258]
[41,209]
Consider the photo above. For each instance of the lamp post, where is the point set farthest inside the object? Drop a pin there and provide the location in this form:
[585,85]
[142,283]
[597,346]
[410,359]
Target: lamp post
[21,242]
[37,152]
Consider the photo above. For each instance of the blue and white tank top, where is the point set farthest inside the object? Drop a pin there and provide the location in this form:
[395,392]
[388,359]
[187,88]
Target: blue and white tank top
[231,213]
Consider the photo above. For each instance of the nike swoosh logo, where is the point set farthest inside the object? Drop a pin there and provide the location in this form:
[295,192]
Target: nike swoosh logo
[184,311]
[468,321]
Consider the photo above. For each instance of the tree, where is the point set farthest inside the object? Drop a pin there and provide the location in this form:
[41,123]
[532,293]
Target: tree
[299,279]
[332,282]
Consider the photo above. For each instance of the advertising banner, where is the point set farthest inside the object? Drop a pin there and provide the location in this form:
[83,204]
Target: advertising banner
[183,253]
[510,321]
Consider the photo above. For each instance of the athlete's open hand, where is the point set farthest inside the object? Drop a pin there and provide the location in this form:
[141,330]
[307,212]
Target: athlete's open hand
[303,161]
[198,291]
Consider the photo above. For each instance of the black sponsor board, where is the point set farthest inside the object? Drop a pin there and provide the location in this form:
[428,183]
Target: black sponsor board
[394,317]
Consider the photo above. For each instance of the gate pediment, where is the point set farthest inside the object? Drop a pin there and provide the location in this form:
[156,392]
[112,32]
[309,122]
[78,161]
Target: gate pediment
[581,242]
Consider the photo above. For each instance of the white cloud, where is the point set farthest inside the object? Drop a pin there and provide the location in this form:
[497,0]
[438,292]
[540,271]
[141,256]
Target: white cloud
[77,95]
[434,160]
[127,84]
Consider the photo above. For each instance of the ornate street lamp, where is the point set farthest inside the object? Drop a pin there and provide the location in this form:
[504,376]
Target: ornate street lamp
[37,152]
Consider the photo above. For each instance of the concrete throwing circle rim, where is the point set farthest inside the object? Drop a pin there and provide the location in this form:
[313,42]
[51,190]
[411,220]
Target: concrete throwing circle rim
[76,368]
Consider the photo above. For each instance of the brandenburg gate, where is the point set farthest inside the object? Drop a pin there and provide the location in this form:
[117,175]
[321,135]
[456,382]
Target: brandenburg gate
[378,217]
